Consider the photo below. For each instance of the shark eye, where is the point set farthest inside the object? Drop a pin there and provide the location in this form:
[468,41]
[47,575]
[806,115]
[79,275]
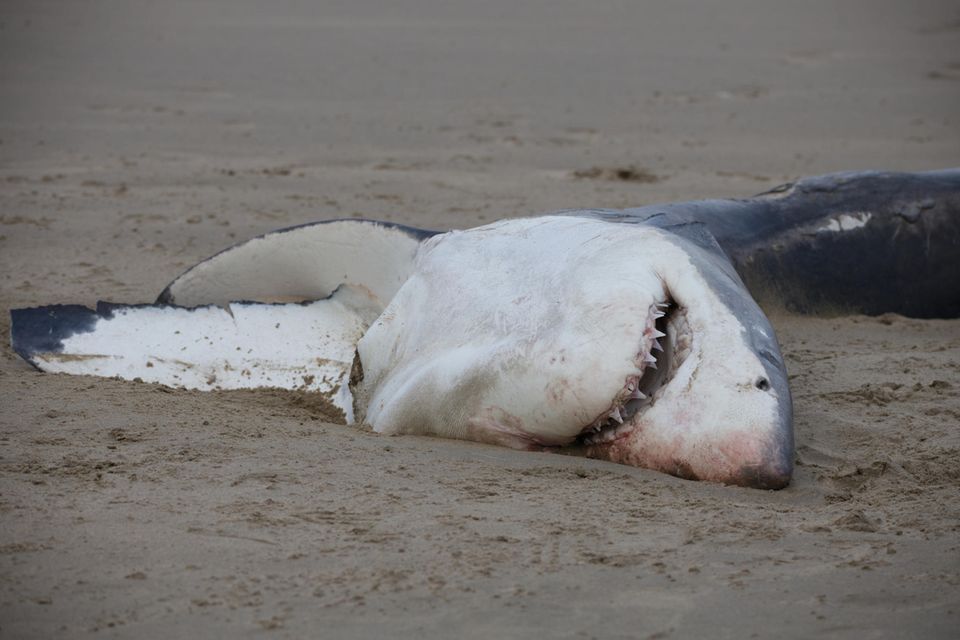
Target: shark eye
[762,383]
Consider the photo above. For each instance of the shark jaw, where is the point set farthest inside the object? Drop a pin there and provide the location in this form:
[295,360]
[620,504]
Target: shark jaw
[657,421]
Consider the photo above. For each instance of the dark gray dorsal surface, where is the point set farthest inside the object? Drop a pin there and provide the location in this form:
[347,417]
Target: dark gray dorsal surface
[862,242]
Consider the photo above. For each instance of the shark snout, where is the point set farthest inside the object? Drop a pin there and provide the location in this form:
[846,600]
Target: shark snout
[772,467]
[773,473]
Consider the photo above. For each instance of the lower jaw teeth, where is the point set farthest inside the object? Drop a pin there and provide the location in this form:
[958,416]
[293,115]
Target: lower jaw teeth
[607,435]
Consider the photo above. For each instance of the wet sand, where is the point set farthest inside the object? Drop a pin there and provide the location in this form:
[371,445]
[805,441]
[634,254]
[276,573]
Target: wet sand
[136,139]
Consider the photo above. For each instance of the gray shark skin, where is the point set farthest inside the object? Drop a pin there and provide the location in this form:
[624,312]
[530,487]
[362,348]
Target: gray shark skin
[866,242]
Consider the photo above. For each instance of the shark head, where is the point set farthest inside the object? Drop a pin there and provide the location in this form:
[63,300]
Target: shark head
[630,343]
[711,399]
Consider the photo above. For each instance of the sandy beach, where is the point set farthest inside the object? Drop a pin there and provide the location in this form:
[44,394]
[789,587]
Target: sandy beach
[137,138]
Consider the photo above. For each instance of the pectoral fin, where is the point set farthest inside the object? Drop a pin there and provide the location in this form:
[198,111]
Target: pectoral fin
[303,346]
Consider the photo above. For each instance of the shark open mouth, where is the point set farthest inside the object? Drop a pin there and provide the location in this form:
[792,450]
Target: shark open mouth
[666,343]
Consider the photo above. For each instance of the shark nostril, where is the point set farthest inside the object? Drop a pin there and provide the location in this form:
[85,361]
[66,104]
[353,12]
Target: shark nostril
[762,383]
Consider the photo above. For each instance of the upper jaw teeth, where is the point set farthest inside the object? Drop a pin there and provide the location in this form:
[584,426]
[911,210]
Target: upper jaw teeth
[613,425]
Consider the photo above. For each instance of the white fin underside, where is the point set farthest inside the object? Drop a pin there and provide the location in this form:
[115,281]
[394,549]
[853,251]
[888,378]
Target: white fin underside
[307,347]
[302,263]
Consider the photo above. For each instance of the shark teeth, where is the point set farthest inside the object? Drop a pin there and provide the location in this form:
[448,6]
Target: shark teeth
[619,418]
[606,435]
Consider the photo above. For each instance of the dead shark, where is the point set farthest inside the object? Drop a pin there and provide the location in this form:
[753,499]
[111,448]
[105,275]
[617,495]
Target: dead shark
[625,335]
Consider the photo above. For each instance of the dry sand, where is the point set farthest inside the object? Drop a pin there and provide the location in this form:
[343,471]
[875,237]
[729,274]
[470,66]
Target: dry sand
[139,137]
